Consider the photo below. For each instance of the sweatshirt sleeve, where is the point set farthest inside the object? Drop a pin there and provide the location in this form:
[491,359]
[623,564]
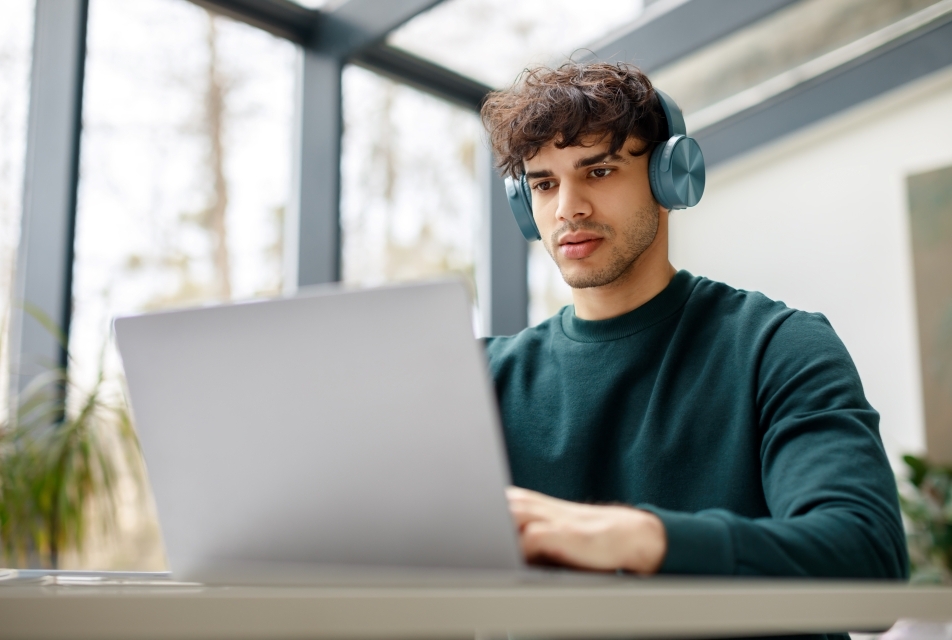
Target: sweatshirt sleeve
[826,478]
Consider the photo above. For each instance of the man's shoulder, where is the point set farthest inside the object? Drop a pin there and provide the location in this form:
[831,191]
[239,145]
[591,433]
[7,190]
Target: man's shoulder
[720,302]
[769,326]
[732,300]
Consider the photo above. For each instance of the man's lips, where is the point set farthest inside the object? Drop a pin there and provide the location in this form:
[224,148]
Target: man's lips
[578,245]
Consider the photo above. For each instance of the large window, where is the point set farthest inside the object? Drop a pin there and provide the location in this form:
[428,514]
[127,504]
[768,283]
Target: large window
[16,38]
[184,179]
[411,199]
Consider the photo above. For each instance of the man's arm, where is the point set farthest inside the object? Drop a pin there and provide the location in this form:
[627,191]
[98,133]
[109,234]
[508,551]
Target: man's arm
[826,480]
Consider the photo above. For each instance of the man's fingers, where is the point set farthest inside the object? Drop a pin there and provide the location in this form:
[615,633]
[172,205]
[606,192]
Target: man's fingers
[540,542]
[524,513]
[519,492]
[525,505]
[528,495]
[549,543]
[529,506]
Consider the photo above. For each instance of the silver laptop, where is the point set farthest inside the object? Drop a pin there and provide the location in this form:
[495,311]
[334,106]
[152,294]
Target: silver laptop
[335,428]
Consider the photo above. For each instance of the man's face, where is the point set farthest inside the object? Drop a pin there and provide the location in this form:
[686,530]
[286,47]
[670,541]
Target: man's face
[594,210]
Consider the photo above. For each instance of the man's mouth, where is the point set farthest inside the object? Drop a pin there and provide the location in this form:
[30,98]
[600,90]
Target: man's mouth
[578,245]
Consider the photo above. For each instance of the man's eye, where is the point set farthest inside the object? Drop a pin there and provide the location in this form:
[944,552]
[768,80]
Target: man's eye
[600,172]
[543,186]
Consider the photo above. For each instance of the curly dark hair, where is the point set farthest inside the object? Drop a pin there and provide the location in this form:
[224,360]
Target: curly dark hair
[568,105]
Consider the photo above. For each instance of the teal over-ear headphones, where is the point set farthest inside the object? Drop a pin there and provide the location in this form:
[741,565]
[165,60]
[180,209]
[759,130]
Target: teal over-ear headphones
[675,172]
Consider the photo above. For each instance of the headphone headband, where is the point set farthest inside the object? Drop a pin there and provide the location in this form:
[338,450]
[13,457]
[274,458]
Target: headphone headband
[672,114]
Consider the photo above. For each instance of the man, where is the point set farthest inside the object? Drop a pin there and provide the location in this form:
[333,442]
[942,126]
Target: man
[665,422]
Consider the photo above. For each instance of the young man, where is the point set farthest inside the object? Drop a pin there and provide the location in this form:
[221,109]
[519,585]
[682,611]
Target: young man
[665,422]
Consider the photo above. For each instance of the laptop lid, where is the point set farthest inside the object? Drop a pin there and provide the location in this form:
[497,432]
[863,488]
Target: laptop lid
[335,427]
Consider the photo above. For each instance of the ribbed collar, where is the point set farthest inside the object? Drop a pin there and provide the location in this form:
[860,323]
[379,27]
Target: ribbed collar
[655,310]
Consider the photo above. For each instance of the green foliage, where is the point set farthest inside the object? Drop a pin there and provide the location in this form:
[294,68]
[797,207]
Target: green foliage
[58,467]
[926,502]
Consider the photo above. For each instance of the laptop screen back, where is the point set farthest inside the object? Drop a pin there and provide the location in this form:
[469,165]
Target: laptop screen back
[335,427]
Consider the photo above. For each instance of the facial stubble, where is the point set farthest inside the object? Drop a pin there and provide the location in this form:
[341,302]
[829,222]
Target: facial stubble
[627,246]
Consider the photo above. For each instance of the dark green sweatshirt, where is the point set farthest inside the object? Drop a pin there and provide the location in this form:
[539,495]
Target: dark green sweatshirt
[740,422]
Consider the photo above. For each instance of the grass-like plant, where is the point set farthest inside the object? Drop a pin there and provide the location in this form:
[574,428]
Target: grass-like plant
[57,467]
[926,501]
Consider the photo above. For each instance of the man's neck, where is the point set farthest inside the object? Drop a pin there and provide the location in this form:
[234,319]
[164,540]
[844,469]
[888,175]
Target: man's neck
[647,277]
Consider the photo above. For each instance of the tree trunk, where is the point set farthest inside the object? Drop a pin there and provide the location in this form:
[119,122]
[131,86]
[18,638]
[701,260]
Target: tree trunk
[215,94]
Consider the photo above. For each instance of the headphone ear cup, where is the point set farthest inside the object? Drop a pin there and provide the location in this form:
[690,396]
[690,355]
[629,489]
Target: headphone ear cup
[520,201]
[654,180]
[676,173]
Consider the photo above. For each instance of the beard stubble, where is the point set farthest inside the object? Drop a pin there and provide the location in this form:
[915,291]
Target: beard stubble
[627,246]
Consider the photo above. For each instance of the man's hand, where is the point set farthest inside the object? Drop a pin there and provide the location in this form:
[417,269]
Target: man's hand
[601,538]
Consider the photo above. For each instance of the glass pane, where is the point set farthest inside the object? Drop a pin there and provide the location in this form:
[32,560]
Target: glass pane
[493,40]
[16,41]
[185,166]
[410,199]
[794,36]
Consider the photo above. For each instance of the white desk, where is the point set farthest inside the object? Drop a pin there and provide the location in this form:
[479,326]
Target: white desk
[655,607]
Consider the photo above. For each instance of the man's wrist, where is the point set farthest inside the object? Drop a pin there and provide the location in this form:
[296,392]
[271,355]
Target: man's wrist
[648,543]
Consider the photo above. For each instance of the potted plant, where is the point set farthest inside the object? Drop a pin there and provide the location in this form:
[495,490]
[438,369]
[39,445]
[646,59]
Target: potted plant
[926,501]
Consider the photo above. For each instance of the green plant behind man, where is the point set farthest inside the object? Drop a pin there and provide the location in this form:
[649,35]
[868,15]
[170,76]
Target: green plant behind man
[57,467]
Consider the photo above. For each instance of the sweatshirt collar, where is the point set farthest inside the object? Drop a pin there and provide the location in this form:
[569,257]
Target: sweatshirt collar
[663,305]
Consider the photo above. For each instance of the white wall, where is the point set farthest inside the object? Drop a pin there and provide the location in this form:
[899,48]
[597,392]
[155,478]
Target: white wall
[819,220]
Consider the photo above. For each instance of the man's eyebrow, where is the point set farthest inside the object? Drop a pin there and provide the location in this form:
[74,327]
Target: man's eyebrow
[544,173]
[598,158]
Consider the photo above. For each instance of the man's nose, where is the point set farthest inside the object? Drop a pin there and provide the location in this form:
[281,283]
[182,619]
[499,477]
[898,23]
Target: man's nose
[573,204]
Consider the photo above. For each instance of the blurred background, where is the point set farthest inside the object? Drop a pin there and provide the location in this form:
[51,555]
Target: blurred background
[167,153]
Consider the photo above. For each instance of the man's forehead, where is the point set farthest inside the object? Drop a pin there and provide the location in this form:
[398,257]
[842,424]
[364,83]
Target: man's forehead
[596,142]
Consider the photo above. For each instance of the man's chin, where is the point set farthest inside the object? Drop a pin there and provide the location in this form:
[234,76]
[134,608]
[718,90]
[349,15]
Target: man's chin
[581,275]
[585,278]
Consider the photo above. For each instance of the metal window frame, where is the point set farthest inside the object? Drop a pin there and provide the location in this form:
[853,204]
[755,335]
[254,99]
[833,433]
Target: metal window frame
[353,33]
[671,29]
[42,294]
